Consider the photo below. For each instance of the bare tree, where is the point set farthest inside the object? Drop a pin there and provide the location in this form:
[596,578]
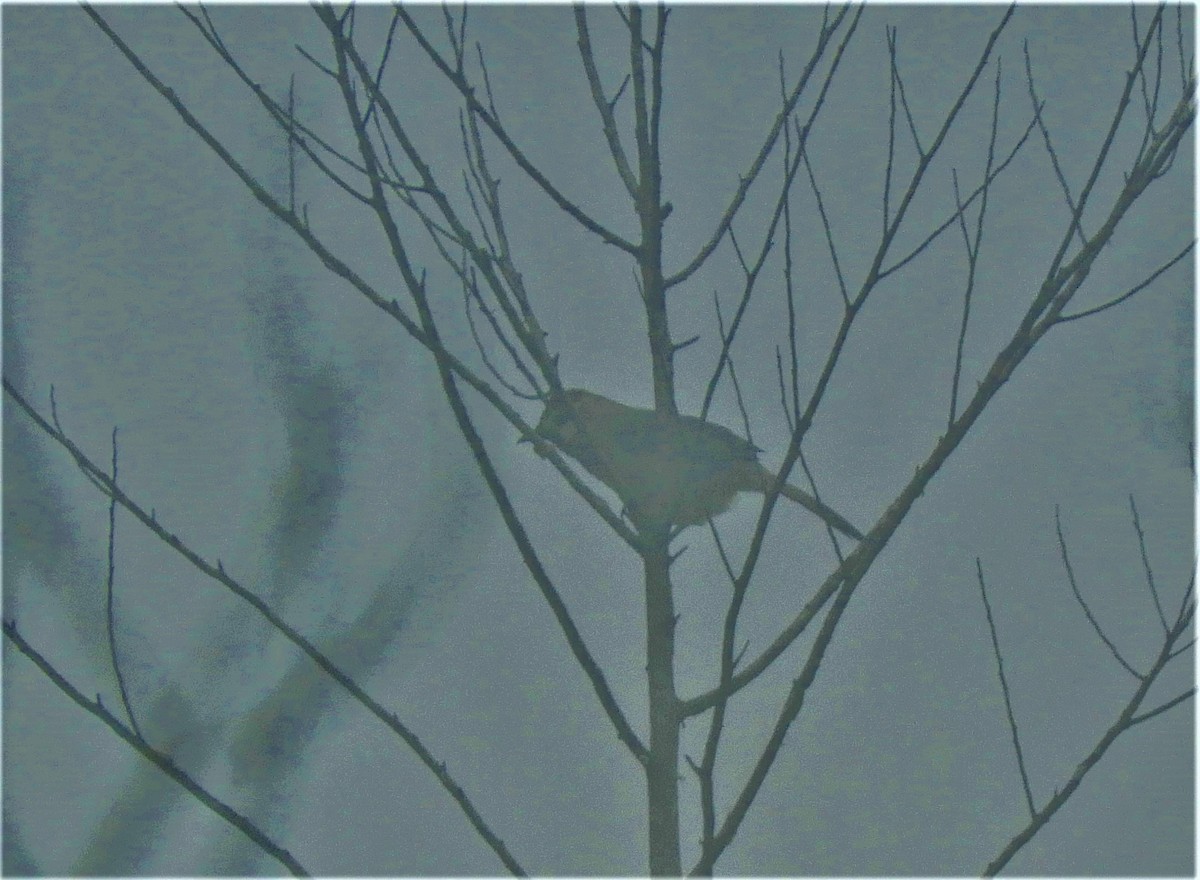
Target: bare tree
[453,238]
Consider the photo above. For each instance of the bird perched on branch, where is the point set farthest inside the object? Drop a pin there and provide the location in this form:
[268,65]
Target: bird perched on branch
[667,469]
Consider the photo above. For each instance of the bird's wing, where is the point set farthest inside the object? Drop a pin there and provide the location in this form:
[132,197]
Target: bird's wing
[716,442]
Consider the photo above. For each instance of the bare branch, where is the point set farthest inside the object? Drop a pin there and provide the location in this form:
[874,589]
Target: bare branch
[471,294]
[745,180]
[378,79]
[217,573]
[656,79]
[976,193]
[987,388]
[487,82]
[286,120]
[457,39]
[927,157]
[1061,287]
[109,608]
[1185,647]
[1062,319]
[416,287]
[891,146]
[812,482]
[899,83]
[791,708]
[1149,103]
[490,120]
[837,266]
[163,761]
[603,106]
[1058,276]
[1185,63]
[781,202]
[1146,716]
[1062,548]
[291,143]
[1137,526]
[973,246]
[341,269]
[1058,172]
[1008,710]
[304,53]
[972,256]
[1127,718]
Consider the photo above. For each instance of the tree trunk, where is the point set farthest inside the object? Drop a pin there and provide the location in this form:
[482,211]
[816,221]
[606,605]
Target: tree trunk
[662,773]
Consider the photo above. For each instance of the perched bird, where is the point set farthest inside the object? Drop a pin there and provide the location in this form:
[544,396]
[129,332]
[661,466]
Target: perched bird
[668,470]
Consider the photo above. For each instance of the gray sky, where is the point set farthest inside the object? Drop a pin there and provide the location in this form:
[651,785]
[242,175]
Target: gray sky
[275,422]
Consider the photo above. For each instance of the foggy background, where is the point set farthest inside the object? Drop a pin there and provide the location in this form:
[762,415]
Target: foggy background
[274,421]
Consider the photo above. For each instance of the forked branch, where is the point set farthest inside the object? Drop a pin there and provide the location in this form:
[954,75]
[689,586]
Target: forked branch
[1128,717]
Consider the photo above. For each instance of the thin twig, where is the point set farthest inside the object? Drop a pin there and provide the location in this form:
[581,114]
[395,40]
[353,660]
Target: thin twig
[752,272]
[603,105]
[1076,216]
[417,290]
[1146,716]
[833,255]
[745,180]
[1008,709]
[218,573]
[973,246]
[109,605]
[1127,718]
[1137,526]
[1062,548]
[299,225]
[490,120]
[899,81]
[1062,319]
[945,224]
[161,760]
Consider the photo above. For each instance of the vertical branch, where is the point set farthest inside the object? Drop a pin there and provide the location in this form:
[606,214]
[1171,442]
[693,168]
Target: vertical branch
[110,613]
[788,279]
[1137,525]
[973,246]
[649,210]
[291,142]
[662,764]
[662,776]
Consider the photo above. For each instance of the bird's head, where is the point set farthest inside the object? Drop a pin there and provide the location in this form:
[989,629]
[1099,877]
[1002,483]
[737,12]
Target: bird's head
[560,420]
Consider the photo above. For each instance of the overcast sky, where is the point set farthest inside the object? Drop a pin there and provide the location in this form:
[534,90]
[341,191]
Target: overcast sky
[273,420]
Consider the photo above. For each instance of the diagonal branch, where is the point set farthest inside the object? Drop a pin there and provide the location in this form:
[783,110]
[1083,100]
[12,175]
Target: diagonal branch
[341,269]
[1137,288]
[791,167]
[1128,717]
[1008,709]
[489,119]
[1055,293]
[1137,526]
[1062,548]
[747,179]
[159,759]
[416,287]
[1049,144]
[886,526]
[217,573]
[603,105]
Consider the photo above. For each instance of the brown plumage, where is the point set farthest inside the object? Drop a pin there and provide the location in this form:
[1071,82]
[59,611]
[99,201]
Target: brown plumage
[677,470]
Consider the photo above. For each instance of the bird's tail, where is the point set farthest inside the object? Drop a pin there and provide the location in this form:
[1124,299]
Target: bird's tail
[836,520]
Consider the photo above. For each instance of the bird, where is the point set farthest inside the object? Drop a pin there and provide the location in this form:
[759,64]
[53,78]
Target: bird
[668,470]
